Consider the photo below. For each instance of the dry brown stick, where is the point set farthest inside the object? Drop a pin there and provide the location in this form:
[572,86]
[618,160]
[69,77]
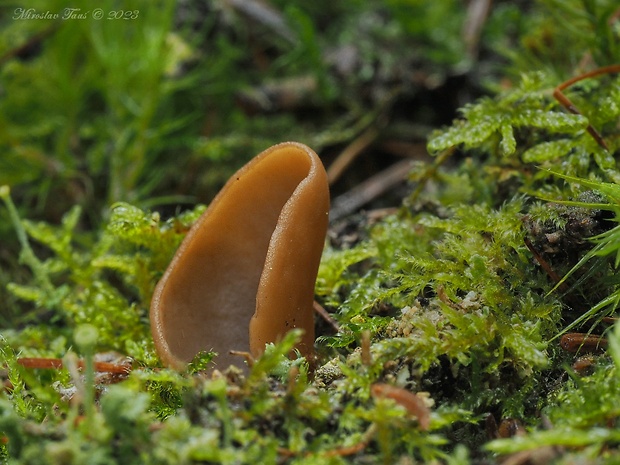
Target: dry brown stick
[284,94]
[318,308]
[477,13]
[265,14]
[56,363]
[350,153]
[369,189]
[414,404]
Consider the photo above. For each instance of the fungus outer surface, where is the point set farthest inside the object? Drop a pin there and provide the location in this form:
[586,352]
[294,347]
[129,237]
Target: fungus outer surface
[245,273]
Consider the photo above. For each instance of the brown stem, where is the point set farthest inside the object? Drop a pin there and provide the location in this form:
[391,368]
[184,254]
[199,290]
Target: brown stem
[56,363]
[566,103]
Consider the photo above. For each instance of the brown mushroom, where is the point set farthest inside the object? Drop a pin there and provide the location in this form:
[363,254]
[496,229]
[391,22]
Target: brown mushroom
[245,273]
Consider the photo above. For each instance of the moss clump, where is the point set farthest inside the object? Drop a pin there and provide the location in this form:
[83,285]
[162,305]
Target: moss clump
[105,281]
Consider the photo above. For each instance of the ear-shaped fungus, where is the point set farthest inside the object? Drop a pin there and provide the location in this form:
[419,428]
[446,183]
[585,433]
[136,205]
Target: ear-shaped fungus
[246,271]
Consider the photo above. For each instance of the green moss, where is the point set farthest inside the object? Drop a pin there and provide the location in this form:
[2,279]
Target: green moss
[106,281]
[508,240]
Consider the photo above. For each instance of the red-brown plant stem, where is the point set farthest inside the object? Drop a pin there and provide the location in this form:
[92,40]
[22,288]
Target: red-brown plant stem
[56,363]
[566,103]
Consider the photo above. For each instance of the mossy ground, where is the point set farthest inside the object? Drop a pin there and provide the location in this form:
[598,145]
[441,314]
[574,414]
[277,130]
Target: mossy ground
[506,238]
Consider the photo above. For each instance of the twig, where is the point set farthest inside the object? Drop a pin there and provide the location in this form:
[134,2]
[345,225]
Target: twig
[56,363]
[415,405]
[265,14]
[477,13]
[284,94]
[369,189]
[350,153]
[318,308]
[566,103]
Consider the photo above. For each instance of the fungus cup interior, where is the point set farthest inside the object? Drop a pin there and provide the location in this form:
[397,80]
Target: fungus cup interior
[246,271]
